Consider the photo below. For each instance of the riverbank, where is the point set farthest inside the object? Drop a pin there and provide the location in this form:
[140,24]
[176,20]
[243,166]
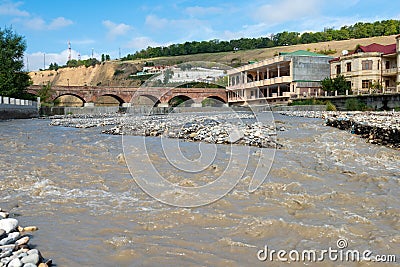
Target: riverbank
[382,128]
[239,128]
[14,248]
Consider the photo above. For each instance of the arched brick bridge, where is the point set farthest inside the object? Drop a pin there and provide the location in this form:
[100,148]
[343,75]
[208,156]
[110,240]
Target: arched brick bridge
[159,95]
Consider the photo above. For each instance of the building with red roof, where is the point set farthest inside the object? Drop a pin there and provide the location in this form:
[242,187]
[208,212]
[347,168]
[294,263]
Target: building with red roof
[371,68]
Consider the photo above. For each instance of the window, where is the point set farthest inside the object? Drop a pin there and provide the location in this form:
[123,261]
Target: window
[366,65]
[338,69]
[387,66]
[348,67]
[366,84]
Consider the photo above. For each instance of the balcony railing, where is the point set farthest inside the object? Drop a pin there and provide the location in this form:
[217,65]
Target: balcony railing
[391,71]
[266,82]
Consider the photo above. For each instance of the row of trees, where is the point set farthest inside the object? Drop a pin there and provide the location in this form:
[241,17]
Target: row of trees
[77,63]
[358,30]
[82,62]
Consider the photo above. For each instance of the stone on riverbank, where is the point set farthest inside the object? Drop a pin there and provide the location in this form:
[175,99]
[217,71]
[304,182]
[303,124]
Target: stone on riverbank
[8,224]
[14,247]
[221,128]
[382,128]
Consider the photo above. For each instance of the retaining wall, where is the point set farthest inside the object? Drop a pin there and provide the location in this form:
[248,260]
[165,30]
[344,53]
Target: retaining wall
[299,108]
[12,108]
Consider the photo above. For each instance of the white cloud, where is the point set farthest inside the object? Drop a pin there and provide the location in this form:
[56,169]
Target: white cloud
[8,8]
[286,10]
[35,23]
[184,29]
[59,22]
[247,31]
[82,42]
[37,60]
[141,42]
[198,11]
[39,24]
[12,9]
[155,22]
[115,30]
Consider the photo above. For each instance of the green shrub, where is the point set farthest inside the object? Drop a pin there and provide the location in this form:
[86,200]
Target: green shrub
[330,106]
[354,104]
[118,72]
[307,102]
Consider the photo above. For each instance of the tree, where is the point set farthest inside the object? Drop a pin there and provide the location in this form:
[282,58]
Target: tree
[341,85]
[54,66]
[72,63]
[327,85]
[14,81]
[338,84]
[45,95]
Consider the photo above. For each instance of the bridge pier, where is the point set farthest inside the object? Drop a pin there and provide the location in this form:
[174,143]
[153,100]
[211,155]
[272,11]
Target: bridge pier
[196,105]
[88,104]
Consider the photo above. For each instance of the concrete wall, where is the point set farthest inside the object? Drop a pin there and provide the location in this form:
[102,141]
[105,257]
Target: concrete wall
[299,108]
[11,108]
[382,101]
[49,111]
[310,68]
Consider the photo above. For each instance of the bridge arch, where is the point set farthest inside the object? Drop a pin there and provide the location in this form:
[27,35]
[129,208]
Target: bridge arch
[109,100]
[181,100]
[145,100]
[69,99]
[213,101]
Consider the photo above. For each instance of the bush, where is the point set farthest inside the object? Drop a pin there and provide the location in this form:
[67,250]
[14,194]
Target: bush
[118,72]
[354,104]
[330,106]
[307,102]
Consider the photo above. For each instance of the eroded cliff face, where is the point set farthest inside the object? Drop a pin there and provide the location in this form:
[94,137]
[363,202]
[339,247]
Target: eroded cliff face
[104,74]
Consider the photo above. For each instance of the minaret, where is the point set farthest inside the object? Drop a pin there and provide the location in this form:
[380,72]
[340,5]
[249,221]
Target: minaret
[69,50]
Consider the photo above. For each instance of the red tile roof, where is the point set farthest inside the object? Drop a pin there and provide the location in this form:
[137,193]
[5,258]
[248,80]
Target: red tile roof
[384,49]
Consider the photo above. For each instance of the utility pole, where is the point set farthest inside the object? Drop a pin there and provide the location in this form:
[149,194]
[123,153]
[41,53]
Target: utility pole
[92,52]
[69,50]
[44,61]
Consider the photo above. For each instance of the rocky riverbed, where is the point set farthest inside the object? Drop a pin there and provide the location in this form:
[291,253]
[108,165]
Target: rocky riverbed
[14,248]
[221,128]
[381,128]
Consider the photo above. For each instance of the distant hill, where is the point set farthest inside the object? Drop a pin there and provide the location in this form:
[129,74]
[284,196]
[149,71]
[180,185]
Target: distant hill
[117,73]
[285,38]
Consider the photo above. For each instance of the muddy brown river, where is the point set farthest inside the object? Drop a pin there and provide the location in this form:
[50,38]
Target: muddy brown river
[325,185]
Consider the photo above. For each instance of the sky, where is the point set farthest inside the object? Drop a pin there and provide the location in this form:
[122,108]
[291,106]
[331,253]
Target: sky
[122,27]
